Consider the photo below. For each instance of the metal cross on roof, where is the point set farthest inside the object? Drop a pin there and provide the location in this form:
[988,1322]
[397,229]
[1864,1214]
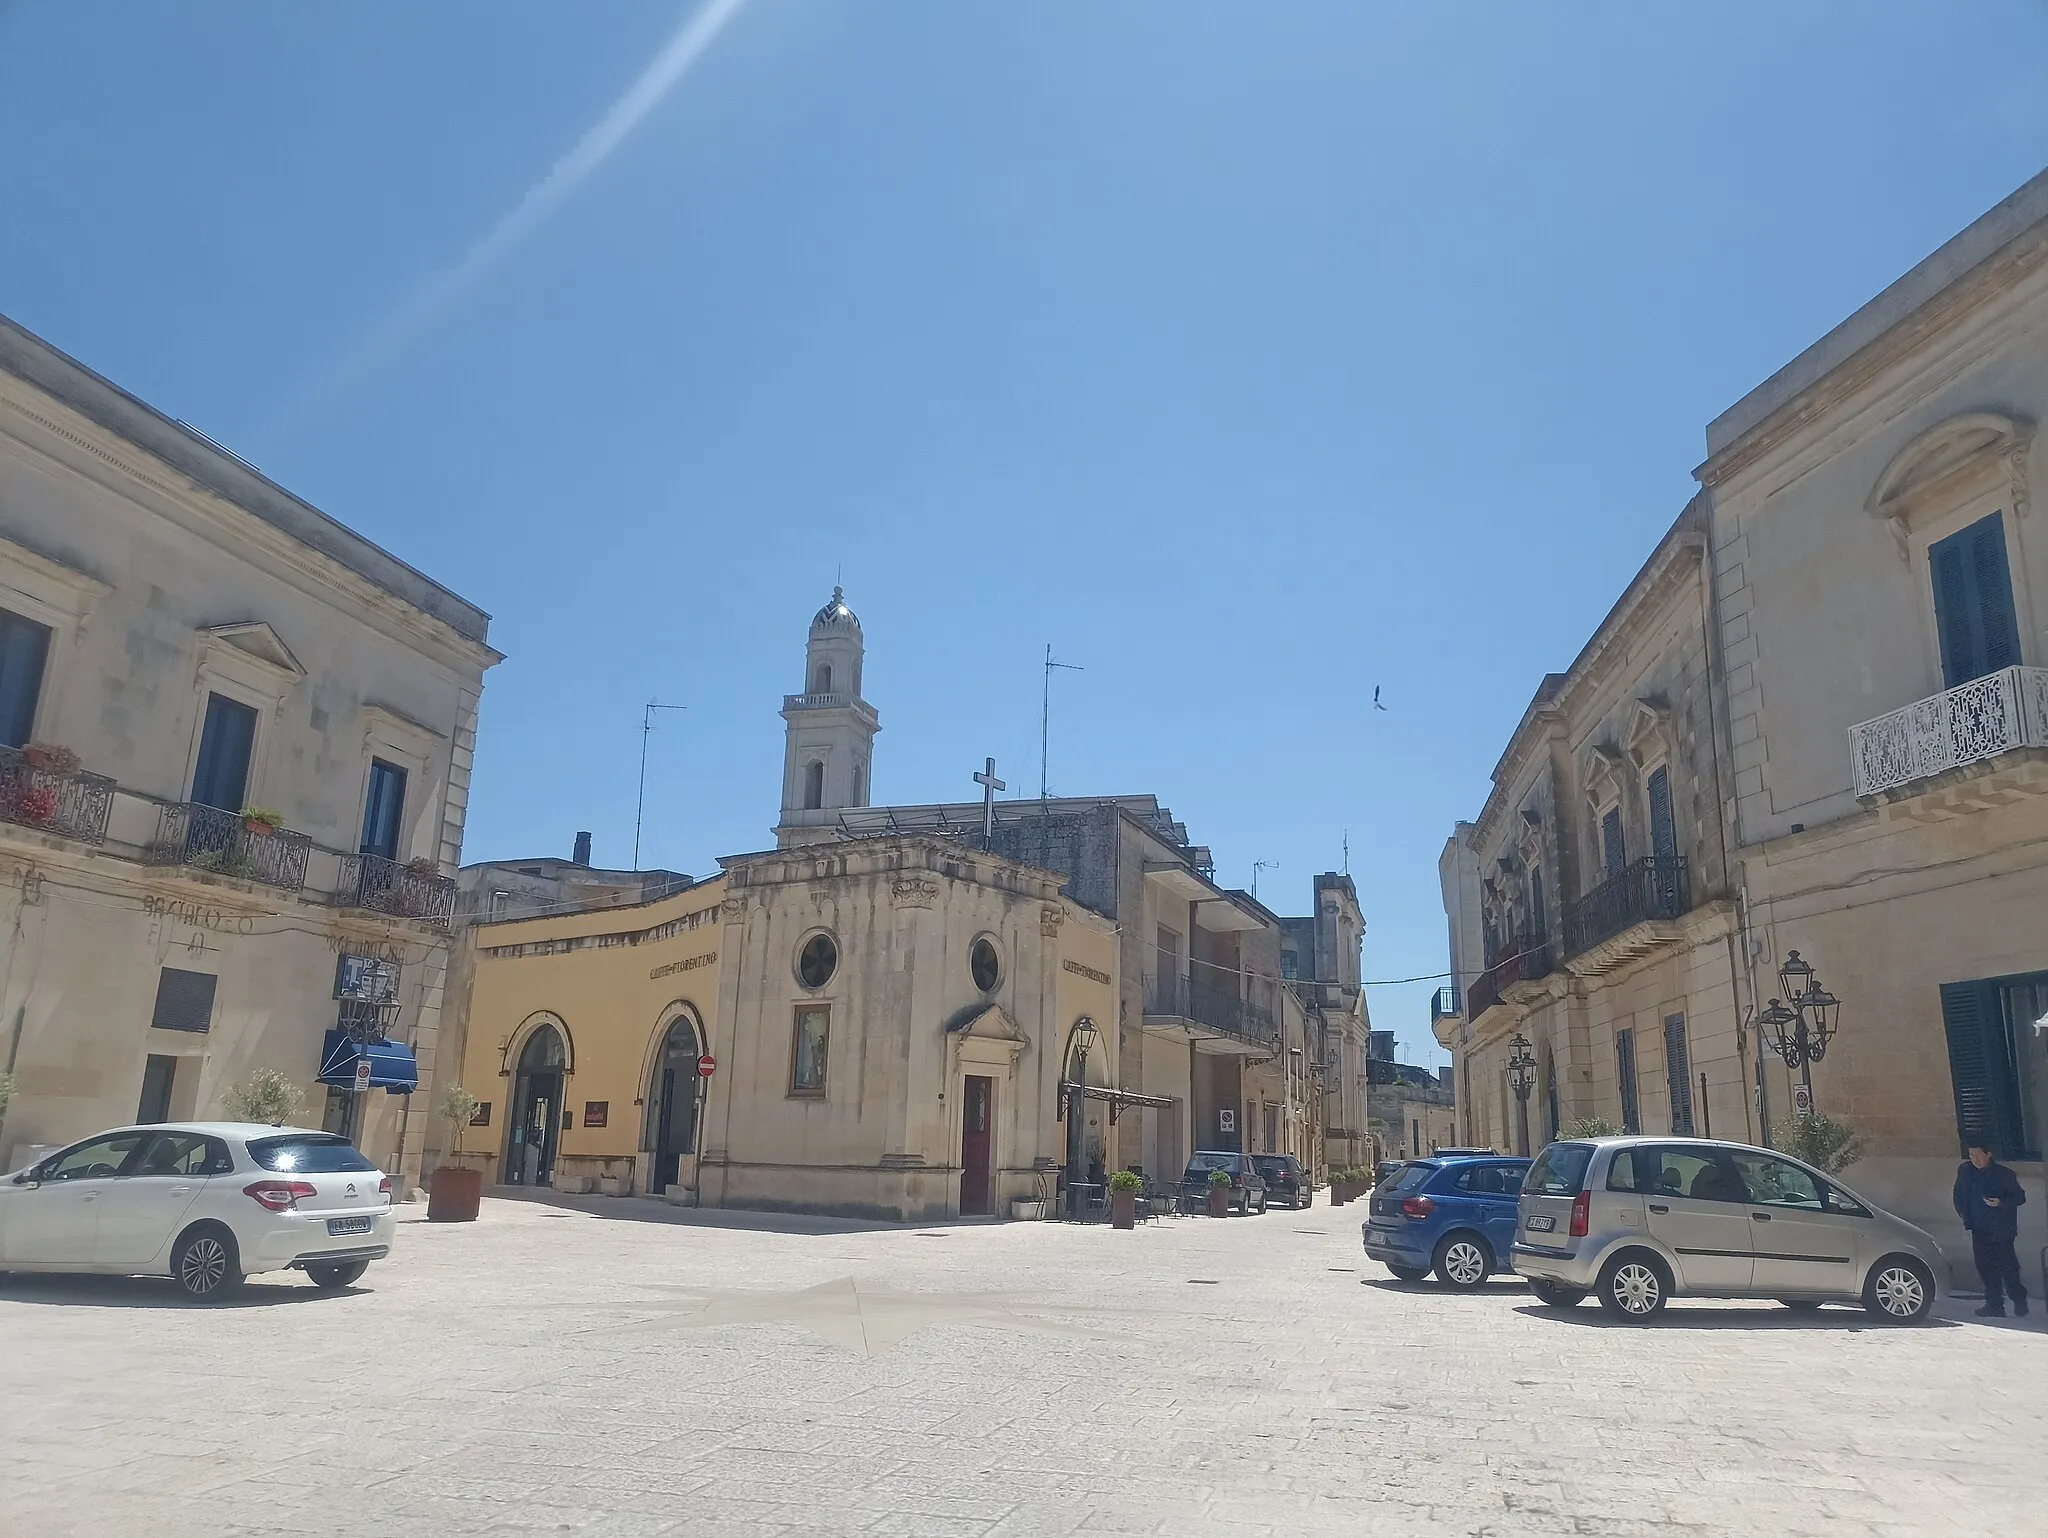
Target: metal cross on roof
[989,786]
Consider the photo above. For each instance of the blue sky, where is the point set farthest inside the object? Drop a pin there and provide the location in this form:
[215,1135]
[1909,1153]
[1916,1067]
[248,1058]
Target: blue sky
[1254,356]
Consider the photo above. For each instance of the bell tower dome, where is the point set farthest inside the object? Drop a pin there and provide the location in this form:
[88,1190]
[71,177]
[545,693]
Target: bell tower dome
[831,730]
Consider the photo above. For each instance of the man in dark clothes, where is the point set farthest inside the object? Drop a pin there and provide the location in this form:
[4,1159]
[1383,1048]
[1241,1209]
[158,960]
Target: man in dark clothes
[1988,1198]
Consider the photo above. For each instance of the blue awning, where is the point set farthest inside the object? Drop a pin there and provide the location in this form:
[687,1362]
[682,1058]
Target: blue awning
[391,1063]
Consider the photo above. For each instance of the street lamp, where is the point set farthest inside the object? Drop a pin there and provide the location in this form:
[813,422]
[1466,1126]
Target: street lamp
[1799,1030]
[1521,1079]
[1082,1040]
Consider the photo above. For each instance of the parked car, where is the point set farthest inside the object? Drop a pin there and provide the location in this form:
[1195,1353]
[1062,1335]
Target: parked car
[1247,1188]
[205,1203]
[1455,1217]
[1284,1179]
[1640,1220]
[1383,1171]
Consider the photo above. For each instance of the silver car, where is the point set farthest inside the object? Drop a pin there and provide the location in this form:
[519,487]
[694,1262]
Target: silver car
[1639,1220]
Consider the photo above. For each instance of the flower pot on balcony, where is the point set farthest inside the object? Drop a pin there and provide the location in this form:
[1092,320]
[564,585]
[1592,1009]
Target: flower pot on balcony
[36,803]
[455,1195]
[50,758]
[1123,1209]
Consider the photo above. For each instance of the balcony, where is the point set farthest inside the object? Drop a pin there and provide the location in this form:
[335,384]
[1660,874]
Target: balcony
[70,803]
[1213,1009]
[1968,724]
[1628,914]
[205,838]
[1445,1004]
[816,701]
[384,886]
[1526,958]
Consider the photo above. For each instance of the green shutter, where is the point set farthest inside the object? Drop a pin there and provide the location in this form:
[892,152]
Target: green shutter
[1973,607]
[1979,1067]
[1663,835]
[1999,628]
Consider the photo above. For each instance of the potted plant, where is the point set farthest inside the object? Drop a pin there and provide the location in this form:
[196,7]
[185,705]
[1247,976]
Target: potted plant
[1219,1193]
[51,758]
[423,865]
[35,803]
[455,1193]
[267,1095]
[261,819]
[1340,1187]
[1124,1187]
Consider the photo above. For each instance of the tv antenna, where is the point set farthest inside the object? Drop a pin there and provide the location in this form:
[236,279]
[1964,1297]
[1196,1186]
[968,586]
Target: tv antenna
[1045,720]
[1257,866]
[646,731]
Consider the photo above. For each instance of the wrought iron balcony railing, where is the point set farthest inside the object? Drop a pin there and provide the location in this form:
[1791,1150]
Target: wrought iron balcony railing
[74,804]
[1654,887]
[385,886]
[206,838]
[1206,1004]
[1444,1004]
[1965,725]
[1526,958]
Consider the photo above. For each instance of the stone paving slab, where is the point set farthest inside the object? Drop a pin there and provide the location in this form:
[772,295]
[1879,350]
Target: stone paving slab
[624,1369]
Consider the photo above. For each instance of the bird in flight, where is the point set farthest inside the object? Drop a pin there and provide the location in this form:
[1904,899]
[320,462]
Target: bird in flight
[1376,705]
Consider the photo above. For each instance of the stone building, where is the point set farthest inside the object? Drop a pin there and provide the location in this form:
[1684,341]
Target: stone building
[185,645]
[1840,652]
[982,956]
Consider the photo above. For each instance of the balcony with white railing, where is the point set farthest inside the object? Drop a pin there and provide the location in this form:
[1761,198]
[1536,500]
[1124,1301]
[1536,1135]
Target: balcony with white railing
[1969,724]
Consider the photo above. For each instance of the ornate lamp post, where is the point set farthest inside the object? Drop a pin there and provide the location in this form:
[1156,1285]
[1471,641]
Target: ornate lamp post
[1799,1024]
[1082,1040]
[1521,1079]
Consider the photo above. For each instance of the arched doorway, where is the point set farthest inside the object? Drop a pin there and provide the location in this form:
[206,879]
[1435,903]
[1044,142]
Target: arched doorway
[673,1099]
[536,1109]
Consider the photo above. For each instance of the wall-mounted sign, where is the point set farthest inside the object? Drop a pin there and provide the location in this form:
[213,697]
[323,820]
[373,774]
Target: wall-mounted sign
[707,1065]
[482,1118]
[366,979]
[596,1113]
[1226,1121]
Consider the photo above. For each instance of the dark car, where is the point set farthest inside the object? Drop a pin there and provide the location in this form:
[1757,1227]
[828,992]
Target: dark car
[1385,1168]
[1247,1187]
[1284,1179]
[1453,1216]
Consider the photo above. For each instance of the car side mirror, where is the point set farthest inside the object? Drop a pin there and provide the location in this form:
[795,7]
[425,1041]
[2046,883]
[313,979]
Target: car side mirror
[29,1177]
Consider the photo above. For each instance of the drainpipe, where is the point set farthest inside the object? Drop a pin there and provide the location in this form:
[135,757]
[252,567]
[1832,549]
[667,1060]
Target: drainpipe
[1763,1103]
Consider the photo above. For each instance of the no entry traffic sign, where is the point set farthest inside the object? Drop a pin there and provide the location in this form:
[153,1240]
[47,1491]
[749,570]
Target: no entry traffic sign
[707,1065]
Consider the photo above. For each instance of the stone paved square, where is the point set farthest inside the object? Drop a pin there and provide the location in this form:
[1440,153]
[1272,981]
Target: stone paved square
[620,1369]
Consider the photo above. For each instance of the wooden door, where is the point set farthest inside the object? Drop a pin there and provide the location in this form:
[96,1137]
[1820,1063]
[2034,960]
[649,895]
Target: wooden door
[977,1118]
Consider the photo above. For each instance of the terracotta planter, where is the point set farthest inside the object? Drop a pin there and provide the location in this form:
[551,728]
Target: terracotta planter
[455,1196]
[1219,1201]
[1123,1209]
[258,826]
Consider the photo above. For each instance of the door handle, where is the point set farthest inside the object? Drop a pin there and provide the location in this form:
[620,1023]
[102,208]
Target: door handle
[88,1196]
[1656,1207]
[181,1190]
[1761,1217]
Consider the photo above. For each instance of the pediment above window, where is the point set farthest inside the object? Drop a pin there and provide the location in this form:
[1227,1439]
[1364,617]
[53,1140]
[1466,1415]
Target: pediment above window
[1603,776]
[257,641]
[1951,463]
[1649,733]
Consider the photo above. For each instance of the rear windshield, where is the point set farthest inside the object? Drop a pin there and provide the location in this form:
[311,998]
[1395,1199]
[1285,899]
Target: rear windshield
[1214,1161]
[1408,1177]
[307,1154]
[1273,1164]
[1559,1170]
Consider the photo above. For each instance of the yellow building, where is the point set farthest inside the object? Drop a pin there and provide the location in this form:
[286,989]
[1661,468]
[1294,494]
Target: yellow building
[884,1029]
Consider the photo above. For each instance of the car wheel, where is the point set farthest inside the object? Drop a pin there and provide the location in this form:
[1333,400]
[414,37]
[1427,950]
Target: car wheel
[1557,1295]
[1634,1286]
[1462,1261]
[1801,1305]
[331,1277]
[205,1265]
[1408,1273]
[1900,1290]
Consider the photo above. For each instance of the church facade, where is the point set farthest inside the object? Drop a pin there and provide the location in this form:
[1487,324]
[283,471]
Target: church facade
[906,1012]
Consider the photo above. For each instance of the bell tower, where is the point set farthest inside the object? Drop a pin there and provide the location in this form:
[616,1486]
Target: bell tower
[831,731]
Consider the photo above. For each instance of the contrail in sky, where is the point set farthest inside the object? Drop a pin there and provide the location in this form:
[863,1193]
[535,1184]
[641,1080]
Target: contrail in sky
[533,209]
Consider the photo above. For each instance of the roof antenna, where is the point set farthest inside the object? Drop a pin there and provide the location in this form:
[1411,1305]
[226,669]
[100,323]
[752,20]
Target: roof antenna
[1045,720]
[1347,851]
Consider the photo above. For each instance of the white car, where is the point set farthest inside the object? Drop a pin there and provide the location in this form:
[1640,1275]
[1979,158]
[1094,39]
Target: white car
[205,1203]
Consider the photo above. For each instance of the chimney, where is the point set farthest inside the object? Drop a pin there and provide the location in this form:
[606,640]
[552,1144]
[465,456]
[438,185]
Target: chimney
[582,854]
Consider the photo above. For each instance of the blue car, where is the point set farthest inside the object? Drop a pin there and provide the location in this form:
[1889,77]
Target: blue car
[1453,1216]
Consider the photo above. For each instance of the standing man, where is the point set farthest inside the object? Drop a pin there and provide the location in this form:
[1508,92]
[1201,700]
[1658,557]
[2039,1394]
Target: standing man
[1988,1198]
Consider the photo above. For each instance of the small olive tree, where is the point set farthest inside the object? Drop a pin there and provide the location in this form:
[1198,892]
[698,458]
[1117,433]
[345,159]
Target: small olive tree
[1819,1140]
[6,1092]
[1589,1126]
[268,1094]
[458,1109]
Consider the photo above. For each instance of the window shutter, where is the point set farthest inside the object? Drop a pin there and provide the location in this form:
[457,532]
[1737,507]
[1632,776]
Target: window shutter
[1613,854]
[184,1000]
[1999,626]
[1978,1066]
[1539,921]
[1625,1073]
[1663,836]
[1678,1071]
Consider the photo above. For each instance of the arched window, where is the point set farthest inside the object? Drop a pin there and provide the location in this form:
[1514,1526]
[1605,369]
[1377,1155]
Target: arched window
[822,684]
[814,785]
[860,785]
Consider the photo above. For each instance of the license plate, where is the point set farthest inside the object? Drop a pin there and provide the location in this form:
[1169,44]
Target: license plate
[1541,1225]
[348,1225]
